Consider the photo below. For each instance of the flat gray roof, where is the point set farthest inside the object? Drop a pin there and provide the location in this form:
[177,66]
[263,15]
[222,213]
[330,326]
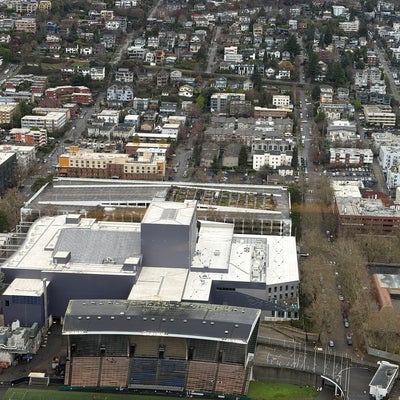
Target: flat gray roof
[213,322]
[98,246]
[75,194]
[94,246]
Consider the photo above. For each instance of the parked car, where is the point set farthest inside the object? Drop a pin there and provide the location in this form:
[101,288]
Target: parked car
[346,323]
[331,343]
[341,297]
[349,340]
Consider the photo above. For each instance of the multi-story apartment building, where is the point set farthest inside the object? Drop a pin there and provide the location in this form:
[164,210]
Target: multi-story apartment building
[108,116]
[389,156]
[380,115]
[360,216]
[273,158]
[326,95]
[52,122]
[119,94]
[8,165]
[77,94]
[124,75]
[28,136]
[44,5]
[7,24]
[349,26]
[25,6]
[346,156]
[341,130]
[137,52]
[220,102]
[141,104]
[279,100]
[393,177]
[26,25]
[147,163]
[7,110]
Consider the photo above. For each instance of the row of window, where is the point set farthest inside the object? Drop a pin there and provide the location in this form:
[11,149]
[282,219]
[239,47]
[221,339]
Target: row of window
[280,288]
[26,299]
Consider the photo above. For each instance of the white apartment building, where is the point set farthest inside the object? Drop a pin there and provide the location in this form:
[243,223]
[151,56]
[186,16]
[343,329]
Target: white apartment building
[379,115]
[341,130]
[349,26]
[337,11]
[171,129]
[389,156]
[137,52]
[109,116]
[124,75]
[231,54]
[347,156]
[52,122]
[279,100]
[393,177]
[274,159]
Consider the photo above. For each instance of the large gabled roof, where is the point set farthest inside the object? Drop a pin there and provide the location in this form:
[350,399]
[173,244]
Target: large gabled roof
[125,317]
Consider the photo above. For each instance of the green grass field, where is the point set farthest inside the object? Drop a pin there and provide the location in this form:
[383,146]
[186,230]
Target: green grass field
[257,391]
[280,391]
[40,394]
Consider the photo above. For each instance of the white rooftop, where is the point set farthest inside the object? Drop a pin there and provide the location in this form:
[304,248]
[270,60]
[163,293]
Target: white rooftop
[25,287]
[159,284]
[347,188]
[247,258]
[52,235]
[170,213]
[5,156]
[89,247]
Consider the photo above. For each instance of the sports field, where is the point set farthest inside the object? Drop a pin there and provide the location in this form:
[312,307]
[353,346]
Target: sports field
[257,391]
[40,394]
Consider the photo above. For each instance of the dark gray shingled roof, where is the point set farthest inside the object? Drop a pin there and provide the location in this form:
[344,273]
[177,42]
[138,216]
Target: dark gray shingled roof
[205,321]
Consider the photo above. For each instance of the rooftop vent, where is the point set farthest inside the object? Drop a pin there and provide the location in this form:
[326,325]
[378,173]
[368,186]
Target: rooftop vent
[73,219]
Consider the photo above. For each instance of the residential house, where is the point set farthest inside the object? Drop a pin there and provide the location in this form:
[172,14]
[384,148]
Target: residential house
[137,52]
[119,94]
[326,94]
[140,104]
[162,78]
[342,130]
[124,75]
[175,76]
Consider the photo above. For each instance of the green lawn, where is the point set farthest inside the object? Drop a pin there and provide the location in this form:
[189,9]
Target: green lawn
[40,394]
[257,391]
[280,391]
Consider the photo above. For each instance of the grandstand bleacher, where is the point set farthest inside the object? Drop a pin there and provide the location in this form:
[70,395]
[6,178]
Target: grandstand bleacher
[189,349]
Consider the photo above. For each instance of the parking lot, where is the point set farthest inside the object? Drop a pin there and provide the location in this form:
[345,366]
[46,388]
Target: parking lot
[364,174]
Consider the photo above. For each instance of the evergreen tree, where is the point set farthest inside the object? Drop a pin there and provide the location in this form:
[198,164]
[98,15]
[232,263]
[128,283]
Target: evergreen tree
[292,46]
[243,154]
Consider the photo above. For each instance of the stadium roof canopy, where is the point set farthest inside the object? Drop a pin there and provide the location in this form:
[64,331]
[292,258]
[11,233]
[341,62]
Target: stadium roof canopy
[193,320]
